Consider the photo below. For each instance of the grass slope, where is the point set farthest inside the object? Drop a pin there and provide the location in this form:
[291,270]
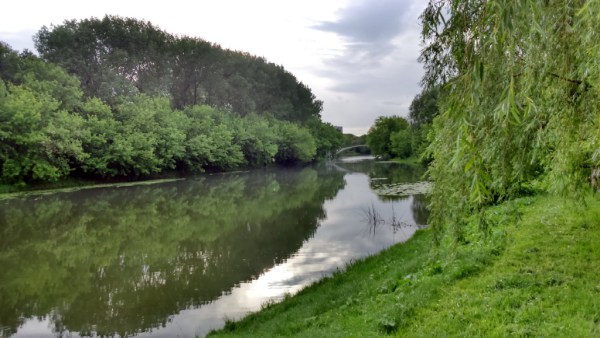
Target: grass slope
[536,274]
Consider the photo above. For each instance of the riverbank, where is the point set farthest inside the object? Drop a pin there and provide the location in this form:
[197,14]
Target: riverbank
[347,154]
[75,187]
[72,184]
[413,160]
[536,274]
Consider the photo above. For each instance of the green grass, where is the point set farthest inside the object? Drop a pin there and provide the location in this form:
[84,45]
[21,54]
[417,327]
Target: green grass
[537,274]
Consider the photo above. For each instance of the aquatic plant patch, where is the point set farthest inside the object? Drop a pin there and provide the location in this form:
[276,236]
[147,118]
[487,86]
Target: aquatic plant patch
[403,189]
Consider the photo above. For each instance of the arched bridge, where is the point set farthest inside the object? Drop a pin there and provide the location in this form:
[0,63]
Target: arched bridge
[343,149]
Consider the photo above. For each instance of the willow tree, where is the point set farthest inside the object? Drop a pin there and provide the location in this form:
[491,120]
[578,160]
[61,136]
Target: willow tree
[520,102]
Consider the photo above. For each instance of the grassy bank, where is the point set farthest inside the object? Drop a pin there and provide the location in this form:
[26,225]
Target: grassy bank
[536,274]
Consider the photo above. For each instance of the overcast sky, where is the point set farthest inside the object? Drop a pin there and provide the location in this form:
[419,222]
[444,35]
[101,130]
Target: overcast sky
[358,56]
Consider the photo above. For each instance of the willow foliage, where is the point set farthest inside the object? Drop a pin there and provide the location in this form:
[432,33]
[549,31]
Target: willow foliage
[521,100]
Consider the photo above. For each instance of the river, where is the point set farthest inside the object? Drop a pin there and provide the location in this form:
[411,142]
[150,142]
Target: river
[174,259]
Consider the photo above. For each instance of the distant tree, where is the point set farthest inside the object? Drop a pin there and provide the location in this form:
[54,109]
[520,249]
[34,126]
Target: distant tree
[103,53]
[378,137]
[353,140]
[194,64]
[9,63]
[118,57]
[401,142]
[327,139]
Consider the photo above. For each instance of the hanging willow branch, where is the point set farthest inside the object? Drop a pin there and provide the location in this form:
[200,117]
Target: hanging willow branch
[504,122]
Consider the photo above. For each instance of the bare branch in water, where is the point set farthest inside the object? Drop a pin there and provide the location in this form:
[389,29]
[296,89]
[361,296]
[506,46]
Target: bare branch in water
[395,223]
[374,220]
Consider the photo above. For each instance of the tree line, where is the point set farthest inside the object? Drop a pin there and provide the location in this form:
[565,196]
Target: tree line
[113,97]
[395,136]
[116,56]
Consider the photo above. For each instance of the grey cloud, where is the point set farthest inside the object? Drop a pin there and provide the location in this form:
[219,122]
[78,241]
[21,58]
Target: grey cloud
[393,84]
[349,87]
[368,21]
[369,28]
[378,67]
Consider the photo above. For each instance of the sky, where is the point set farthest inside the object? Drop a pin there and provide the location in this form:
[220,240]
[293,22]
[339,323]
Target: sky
[358,56]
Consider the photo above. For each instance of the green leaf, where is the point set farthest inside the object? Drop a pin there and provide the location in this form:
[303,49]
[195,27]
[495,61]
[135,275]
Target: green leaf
[484,175]
[515,114]
[469,164]
[464,140]
[484,188]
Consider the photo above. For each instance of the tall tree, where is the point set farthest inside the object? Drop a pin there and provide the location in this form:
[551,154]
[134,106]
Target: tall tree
[119,57]
[9,62]
[104,53]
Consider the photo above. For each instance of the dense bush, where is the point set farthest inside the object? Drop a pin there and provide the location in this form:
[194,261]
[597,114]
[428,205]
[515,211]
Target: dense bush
[49,130]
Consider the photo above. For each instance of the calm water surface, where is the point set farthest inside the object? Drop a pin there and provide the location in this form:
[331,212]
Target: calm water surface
[173,259]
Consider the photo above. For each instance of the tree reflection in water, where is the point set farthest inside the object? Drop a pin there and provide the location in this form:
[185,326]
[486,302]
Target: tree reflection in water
[119,261]
[123,260]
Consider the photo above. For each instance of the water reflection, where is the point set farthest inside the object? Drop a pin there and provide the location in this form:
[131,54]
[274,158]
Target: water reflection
[124,261]
[385,174]
[419,209]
